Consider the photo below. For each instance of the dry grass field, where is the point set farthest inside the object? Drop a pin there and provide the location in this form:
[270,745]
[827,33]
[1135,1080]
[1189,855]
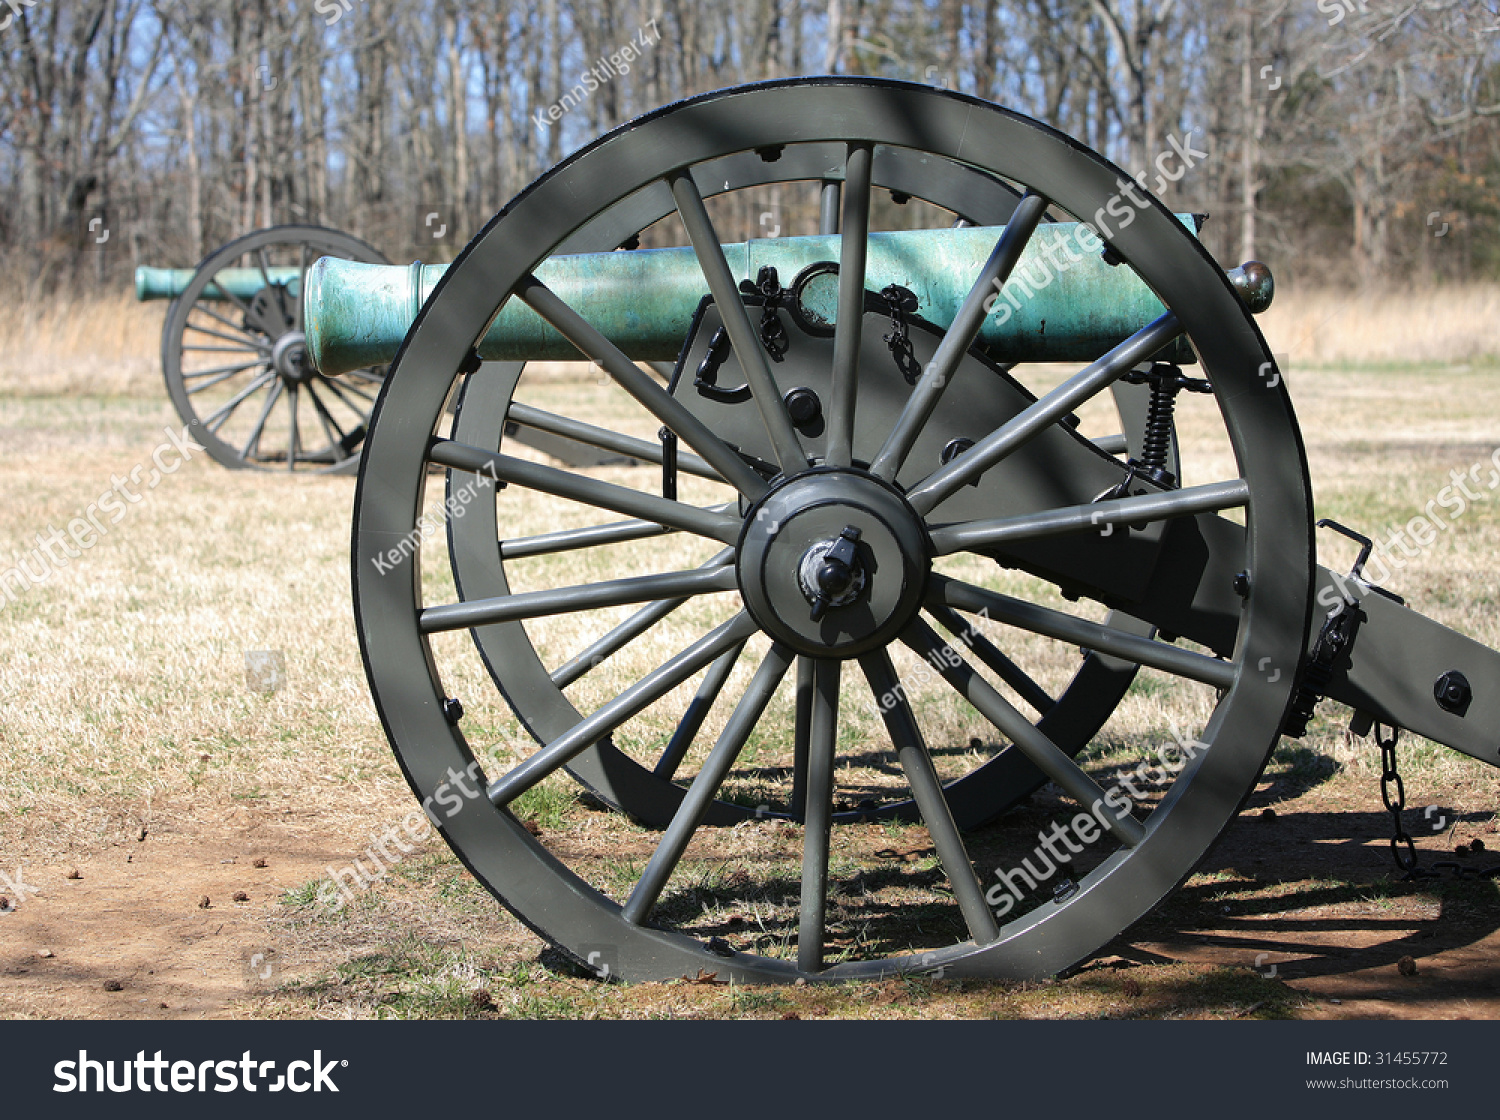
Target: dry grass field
[165,827]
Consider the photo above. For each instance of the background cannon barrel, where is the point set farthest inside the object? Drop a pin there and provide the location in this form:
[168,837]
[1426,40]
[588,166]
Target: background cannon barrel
[169,283]
[234,359]
[1063,302]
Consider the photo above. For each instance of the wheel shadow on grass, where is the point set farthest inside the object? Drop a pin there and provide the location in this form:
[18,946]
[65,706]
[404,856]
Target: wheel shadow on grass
[1307,896]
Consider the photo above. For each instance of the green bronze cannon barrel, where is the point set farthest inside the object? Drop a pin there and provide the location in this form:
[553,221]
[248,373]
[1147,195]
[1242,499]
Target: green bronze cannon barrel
[169,283]
[1062,303]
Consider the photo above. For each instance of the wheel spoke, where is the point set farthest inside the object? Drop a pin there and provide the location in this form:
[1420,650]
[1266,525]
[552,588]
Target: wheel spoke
[633,700]
[822,735]
[1146,507]
[742,335]
[587,596]
[632,628]
[228,322]
[339,389]
[959,337]
[801,732]
[224,373]
[854,243]
[301,286]
[697,711]
[220,369]
[265,275]
[252,442]
[292,437]
[227,294]
[927,792]
[223,349]
[644,388]
[1079,631]
[1043,414]
[331,429]
[996,661]
[566,540]
[564,484]
[1028,739]
[216,421]
[245,343]
[594,436]
[700,795]
[828,207]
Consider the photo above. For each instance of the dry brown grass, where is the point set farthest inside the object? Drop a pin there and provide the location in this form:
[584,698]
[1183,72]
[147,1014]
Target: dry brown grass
[104,346]
[1435,325]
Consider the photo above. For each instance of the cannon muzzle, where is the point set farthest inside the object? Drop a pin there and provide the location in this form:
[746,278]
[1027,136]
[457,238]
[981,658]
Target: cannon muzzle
[1063,302]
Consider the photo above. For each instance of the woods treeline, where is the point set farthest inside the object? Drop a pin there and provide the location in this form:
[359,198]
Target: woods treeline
[1351,142]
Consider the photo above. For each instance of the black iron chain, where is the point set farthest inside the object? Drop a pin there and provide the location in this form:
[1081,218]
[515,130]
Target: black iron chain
[900,300]
[1403,849]
[773,334]
[1393,793]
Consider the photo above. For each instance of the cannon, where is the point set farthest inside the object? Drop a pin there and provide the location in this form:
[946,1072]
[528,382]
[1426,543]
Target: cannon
[236,364]
[869,436]
[234,359]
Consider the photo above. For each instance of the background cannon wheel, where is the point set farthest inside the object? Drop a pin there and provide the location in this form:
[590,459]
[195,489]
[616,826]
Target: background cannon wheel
[1227,709]
[237,370]
[651,789]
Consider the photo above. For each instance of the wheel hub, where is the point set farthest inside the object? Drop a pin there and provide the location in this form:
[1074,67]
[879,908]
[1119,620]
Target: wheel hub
[833,563]
[289,356]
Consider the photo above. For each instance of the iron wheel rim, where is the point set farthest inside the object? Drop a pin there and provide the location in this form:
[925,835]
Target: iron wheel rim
[532,881]
[257,401]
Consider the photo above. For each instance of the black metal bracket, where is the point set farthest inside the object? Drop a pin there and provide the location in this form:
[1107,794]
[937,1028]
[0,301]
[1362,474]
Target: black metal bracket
[668,463]
[706,380]
[1334,640]
[1357,572]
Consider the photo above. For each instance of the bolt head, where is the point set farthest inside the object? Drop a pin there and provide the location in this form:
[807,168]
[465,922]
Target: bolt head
[803,406]
[1453,692]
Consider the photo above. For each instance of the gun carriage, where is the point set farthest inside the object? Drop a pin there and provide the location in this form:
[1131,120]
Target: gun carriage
[864,441]
[235,361]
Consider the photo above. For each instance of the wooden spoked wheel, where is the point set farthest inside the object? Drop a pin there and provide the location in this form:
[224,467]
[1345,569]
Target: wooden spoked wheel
[812,564]
[235,358]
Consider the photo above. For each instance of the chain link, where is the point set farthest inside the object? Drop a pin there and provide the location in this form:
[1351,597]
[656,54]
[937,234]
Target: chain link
[1403,849]
[773,334]
[898,300]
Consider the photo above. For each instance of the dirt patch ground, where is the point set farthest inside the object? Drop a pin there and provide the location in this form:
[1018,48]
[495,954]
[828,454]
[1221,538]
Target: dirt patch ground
[178,923]
[1294,916]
